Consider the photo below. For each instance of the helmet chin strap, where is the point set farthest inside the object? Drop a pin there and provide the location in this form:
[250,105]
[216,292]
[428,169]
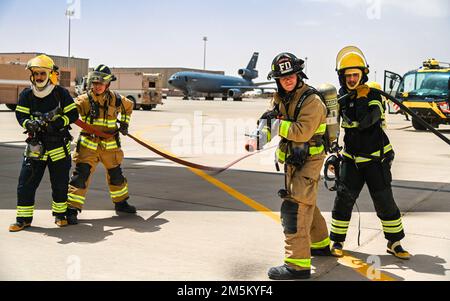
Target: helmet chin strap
[106,90]
[351,71]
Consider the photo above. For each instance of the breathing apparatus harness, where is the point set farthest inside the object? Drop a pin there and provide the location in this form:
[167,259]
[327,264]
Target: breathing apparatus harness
[297,156]
[94,112]
[35,148]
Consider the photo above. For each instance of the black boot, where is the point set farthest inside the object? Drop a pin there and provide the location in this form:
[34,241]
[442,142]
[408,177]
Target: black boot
[285,272]
[321,252]
[124,207]
[72,214]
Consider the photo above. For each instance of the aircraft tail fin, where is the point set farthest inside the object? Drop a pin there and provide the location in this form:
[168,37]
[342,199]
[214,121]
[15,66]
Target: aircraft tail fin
[252,64]
[250,72]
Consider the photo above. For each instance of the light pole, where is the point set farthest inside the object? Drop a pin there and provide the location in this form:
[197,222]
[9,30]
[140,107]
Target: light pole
[205,39]
[306,65]
[69,13]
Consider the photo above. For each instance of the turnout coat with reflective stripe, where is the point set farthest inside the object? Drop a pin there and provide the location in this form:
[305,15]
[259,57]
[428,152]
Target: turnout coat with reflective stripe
[106,121]
[29,104]
[310,122]
[370,140]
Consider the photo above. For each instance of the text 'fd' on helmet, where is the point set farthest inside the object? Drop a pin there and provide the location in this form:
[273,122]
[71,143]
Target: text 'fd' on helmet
[286,64]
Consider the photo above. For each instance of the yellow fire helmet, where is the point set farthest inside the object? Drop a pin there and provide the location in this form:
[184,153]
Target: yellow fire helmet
[44,62]
[351,57]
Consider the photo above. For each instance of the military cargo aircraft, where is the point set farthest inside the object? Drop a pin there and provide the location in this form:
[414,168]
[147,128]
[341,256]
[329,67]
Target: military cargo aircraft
[212,84]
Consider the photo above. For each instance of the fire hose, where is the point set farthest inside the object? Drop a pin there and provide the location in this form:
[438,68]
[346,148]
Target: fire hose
[415,116]
[216,170]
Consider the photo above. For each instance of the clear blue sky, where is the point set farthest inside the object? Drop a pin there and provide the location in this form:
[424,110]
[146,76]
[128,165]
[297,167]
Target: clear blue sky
[396,35]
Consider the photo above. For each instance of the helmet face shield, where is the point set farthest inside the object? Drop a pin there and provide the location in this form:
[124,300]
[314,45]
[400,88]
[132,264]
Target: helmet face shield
[101,74]
[351,57]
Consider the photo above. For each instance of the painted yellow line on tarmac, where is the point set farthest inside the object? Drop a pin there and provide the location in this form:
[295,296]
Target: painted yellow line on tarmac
[237,195]
[363,268]
[233,192]
[347,260]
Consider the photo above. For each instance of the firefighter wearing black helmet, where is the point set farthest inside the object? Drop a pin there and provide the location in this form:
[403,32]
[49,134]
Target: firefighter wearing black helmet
[368,155]
[100,108]
[301,151]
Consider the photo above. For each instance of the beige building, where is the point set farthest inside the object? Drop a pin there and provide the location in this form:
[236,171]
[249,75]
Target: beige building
[78,66]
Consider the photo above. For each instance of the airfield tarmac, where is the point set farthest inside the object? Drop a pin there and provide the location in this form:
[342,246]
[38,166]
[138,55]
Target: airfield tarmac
[192,225]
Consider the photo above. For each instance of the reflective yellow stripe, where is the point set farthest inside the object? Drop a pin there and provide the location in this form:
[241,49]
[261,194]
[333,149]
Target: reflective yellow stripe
[76,198]
[24,124]
[304,263]
[24,110]
[322,129]
[354,124]
[316,150]
[108,145]
[321,244]
[119,193]
[377,103]
[25,211]
[84,141]
[284,128]
[387,149]
[109,123]
[281,156]
[338,230]
[125,118]
[393,229]
[59,207]
[391,223]
[69,108]
[266,130]
[58,153]
[340,223]
[66,120]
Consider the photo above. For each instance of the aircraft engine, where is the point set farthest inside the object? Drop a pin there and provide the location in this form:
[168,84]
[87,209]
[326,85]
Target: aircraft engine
[248,74]
[234,93]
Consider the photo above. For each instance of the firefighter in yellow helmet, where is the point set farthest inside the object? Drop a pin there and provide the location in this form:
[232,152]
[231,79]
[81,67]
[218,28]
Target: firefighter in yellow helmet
[100,107]
[367,155]
[45,111]
[301,150]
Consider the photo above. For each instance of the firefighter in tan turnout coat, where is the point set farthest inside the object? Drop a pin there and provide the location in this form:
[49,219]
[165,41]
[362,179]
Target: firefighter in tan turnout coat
[100,108]
[302,152]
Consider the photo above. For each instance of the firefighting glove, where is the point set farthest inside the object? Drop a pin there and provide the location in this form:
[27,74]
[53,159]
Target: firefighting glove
[123,129]
[362,91]
[270,115]
[32,126]
[55,125]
